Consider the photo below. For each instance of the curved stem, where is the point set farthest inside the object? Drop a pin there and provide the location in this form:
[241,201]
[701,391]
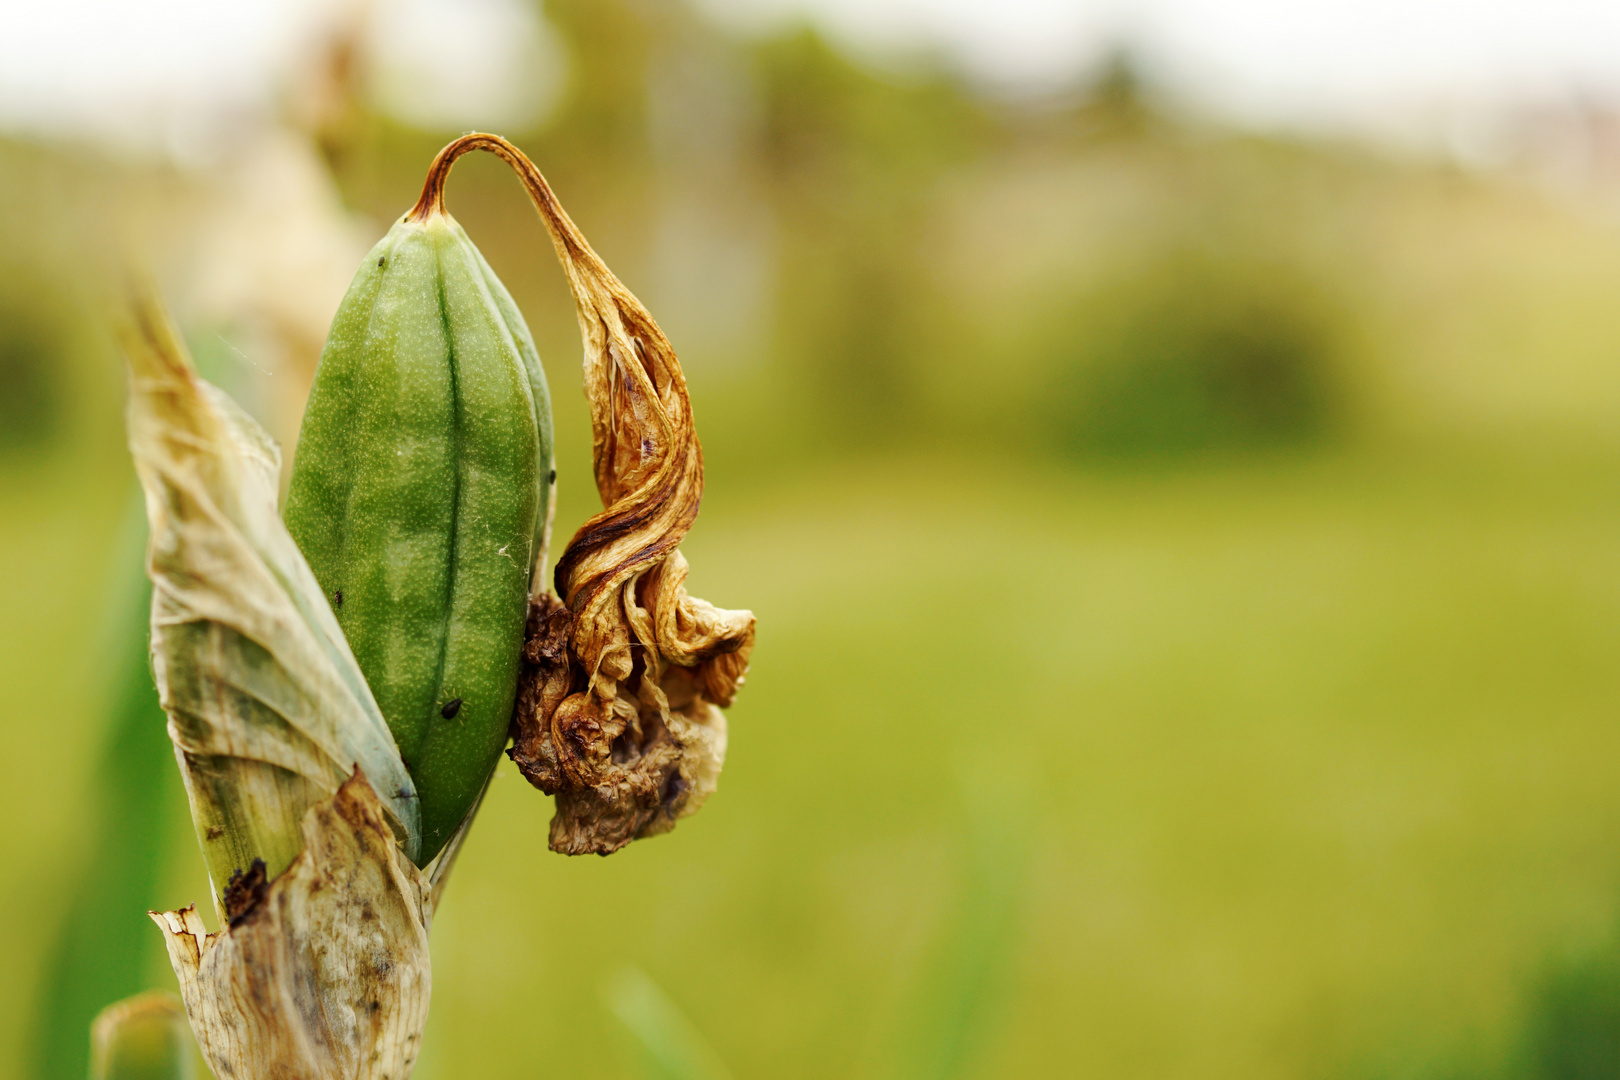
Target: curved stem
[570,242]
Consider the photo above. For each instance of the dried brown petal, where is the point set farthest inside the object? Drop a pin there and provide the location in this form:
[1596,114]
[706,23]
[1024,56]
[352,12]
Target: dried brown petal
[619,703]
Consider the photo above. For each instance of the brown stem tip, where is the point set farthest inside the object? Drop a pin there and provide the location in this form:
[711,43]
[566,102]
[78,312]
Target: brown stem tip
[572,248]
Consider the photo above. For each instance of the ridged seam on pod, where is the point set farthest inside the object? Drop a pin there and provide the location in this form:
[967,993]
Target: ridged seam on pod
[619,705]
[420,495]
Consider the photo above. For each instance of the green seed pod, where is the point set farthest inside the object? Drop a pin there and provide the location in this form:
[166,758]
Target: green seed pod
[419,495]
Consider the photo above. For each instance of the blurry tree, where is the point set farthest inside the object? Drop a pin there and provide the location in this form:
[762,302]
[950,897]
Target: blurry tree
[1116,97]
[1114,104]
[852,164]
[1197,355]
[29,369]
[849,160]
[601,125]
[854,160]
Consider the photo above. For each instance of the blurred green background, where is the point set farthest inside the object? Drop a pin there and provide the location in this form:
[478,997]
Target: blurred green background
[1187,564]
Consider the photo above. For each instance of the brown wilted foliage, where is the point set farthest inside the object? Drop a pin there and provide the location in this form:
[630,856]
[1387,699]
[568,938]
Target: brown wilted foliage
[618,711]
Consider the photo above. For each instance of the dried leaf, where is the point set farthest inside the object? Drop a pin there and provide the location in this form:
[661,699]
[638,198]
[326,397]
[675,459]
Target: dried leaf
[619,703]
[267,708]
[325,975]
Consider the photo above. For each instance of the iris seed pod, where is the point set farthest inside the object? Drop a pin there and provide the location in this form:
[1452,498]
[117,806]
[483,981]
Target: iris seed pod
[625,674]
[419,494]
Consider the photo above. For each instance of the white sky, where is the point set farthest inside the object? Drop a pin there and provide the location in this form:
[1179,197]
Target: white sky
[134,68]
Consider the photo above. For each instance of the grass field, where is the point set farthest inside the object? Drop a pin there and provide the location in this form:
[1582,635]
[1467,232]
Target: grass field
[1310,766]
[1297,768]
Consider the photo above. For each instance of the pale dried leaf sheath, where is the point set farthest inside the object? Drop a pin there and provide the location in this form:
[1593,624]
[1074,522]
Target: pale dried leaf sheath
[267,708]
[619,705]
[326,975]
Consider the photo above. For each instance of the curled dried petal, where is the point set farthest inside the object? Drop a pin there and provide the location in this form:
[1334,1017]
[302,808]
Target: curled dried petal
[619,703]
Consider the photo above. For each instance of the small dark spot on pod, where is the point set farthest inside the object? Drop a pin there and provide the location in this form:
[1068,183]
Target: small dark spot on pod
[552,479]
[337,598]
[450,709]
[382,260]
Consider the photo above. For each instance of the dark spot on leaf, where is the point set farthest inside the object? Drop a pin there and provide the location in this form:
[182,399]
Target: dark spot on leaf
[337,598]
[244,892]
[552,479]
[450,709]
[214,832]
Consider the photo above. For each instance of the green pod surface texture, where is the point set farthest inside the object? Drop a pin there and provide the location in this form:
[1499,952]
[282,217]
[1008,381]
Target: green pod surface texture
[419,495]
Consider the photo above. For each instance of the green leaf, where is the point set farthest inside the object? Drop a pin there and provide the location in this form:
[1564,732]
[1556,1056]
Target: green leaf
[104,945]
[668,1045]
[142,1038]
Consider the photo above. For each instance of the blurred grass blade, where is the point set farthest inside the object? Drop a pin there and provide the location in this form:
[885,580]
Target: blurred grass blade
[104,946]
[267,707]
[142,1038]
[670,1047]
[968,985]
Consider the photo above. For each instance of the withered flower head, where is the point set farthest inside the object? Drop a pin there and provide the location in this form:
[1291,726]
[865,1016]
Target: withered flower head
[619,702]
